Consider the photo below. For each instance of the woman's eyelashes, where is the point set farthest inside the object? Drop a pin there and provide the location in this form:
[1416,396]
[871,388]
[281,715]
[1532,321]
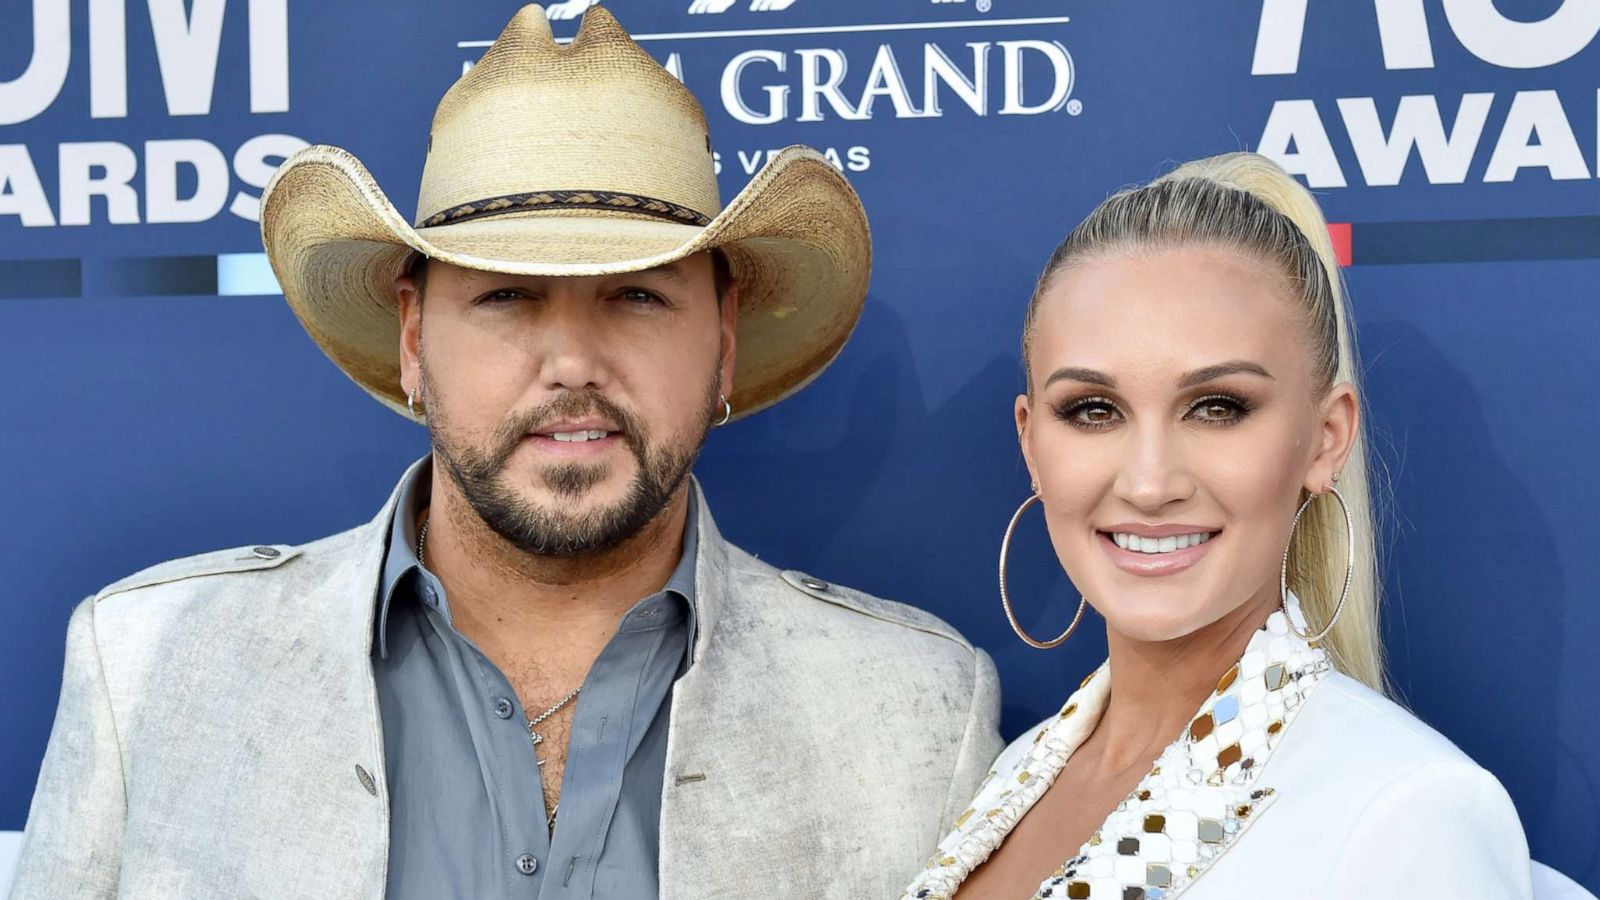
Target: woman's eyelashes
[1088,413]
[1098,413]
[1219,409]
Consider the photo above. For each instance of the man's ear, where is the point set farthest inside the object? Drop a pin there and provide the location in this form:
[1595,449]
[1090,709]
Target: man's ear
[408,304]
[729,312]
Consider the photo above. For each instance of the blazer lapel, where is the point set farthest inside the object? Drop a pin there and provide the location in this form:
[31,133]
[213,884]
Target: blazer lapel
[1021,775]
[750,800]
[1193,806]
[710,768]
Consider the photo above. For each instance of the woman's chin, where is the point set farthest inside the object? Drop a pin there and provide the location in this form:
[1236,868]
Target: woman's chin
[1154,622]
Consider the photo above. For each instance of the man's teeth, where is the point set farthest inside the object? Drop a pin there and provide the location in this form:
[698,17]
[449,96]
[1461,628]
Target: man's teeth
[578,436]
[1140,544]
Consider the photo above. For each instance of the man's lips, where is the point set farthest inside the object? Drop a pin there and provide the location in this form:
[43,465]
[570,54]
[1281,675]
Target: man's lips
[576,426]
[575,438]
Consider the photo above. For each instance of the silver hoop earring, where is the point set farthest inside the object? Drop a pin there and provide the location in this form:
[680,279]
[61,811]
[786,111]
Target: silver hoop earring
[1005,597]
[727,412]
[1349,567]
[411,404]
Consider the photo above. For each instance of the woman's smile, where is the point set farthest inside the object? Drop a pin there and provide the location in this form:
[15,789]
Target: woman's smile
[1156,550]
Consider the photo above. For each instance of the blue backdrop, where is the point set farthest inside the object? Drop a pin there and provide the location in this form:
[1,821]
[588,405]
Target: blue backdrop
[158,401]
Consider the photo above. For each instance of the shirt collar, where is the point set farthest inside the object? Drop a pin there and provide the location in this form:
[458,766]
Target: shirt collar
[400,560]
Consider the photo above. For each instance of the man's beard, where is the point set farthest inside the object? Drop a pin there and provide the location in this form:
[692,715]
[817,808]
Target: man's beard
[480,474]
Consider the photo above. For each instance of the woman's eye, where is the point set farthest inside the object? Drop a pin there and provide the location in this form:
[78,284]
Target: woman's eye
[1221,410]
[1089,413]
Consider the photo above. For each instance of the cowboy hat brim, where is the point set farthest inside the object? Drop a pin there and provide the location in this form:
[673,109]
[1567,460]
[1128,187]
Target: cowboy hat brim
[796,239]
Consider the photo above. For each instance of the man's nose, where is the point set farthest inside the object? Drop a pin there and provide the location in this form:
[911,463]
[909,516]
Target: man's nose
[570,345]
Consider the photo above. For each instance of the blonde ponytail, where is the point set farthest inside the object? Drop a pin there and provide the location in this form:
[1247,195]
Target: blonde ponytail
[1245,201]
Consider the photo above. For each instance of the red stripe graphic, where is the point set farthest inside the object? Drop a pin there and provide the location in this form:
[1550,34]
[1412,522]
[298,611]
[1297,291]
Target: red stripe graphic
[1340,232]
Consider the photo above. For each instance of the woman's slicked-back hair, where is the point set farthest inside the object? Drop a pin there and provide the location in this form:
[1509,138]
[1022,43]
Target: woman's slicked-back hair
[1245,202]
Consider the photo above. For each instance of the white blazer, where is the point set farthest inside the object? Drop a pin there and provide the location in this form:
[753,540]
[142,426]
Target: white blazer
[1292,782]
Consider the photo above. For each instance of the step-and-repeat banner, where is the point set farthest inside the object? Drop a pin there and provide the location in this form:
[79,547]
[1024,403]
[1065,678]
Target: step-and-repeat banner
[157,399]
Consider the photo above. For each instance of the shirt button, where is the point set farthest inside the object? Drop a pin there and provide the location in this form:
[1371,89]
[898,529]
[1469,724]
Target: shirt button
[502,707]
[264,552]
[526,864]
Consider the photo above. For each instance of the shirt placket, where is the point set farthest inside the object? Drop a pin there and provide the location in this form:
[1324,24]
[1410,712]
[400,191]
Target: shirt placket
[506,761]
[602,738]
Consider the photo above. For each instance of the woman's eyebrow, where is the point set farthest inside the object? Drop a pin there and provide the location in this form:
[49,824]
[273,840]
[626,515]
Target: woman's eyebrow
[1210,373]
[1087,376]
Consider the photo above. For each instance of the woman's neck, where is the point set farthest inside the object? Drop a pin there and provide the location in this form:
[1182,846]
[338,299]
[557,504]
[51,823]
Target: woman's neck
[1156,686]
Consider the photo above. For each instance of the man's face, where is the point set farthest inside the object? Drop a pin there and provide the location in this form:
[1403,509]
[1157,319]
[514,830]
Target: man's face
[568,411]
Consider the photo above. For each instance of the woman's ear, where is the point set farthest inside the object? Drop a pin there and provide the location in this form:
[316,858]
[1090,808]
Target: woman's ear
[1022,410]
[1339,424]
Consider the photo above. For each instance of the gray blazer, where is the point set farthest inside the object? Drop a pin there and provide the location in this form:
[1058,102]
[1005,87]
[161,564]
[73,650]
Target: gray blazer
[218,734]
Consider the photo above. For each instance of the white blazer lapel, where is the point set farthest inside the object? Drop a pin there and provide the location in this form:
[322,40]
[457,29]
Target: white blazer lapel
[1203,793]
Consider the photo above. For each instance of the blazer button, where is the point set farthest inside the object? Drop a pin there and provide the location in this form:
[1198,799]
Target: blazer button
[526,864]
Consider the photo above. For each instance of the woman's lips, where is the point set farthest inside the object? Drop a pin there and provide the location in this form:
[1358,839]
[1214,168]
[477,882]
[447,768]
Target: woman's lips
[1171,562]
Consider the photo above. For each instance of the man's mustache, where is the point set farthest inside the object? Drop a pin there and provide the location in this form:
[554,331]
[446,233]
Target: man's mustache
[570,405]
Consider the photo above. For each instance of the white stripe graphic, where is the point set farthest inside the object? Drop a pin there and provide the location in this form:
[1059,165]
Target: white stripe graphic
[245,275]
[826,29]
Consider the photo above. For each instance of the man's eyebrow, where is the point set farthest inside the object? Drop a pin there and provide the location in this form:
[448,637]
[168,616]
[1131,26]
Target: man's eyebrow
[1211,373]
[1087,376]
[672,271]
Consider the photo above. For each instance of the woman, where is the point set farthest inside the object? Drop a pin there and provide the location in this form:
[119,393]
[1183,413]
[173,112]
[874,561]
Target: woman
[1192,404]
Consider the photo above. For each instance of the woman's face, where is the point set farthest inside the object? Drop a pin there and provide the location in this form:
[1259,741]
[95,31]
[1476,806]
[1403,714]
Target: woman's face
[1174,421]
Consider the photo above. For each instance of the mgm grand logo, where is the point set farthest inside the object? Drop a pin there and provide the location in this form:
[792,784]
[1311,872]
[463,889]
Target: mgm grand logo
[914,70]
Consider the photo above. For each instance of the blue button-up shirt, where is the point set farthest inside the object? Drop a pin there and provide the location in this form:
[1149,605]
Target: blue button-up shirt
[467,815]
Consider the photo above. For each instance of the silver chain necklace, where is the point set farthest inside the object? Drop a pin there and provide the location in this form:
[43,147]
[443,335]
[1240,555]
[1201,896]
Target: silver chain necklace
[536,721]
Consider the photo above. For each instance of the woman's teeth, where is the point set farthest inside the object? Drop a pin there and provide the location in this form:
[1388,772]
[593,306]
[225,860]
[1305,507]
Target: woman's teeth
[578,436]
[1140,544]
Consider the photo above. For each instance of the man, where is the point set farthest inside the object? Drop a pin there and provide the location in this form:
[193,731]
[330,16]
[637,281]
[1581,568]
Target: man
[539,671]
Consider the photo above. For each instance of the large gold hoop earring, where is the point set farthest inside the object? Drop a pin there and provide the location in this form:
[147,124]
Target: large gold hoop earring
[1005,598]
[1349,567]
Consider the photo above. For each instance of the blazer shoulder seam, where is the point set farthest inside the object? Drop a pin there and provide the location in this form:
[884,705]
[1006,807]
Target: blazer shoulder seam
[873,607]
[1400,719]
[252,558]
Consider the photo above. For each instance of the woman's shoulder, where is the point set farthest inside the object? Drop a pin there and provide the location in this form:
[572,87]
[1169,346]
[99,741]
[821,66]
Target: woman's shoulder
[1352,718]
[1355,751]
[1362,789]
[1387,790]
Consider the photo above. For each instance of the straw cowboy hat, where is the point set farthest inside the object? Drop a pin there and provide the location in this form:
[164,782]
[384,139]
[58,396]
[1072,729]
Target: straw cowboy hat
[589,159]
